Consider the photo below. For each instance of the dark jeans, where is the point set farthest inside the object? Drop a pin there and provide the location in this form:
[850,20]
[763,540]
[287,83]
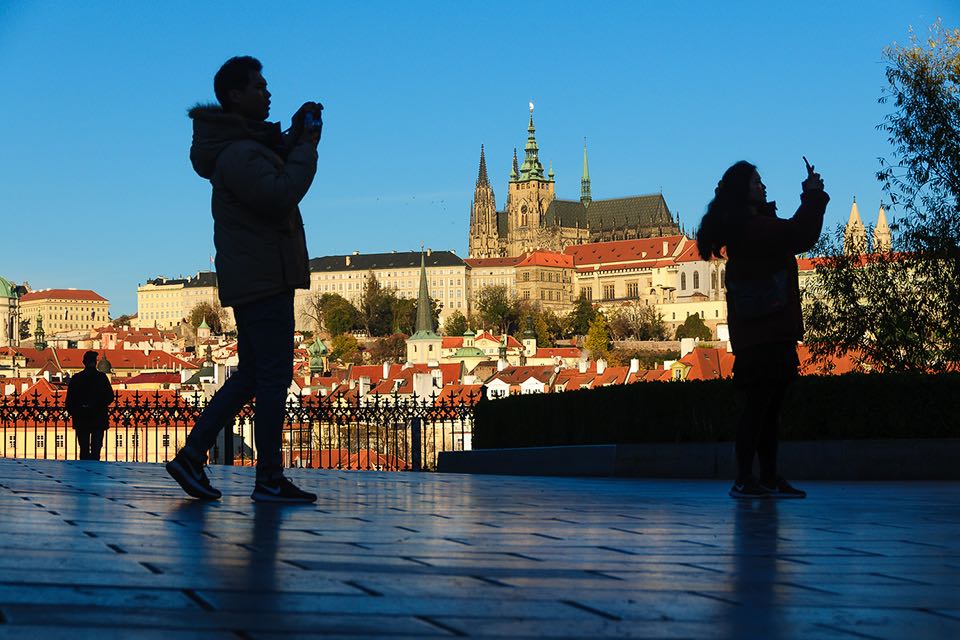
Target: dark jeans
[757,430]
[89,442]
[265,370]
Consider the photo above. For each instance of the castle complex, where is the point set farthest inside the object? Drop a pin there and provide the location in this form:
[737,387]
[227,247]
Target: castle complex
[534,218]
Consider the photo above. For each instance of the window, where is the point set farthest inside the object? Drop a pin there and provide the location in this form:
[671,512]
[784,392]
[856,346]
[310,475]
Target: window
[696,279]
[589,293]
[60,440]
[713,280]
[683,282]
[723,277]
[118,441]
[41,441]
[633,290]
[12,441]
[608,292]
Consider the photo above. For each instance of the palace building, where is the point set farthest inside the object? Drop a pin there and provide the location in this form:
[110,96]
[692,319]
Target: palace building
[534,218]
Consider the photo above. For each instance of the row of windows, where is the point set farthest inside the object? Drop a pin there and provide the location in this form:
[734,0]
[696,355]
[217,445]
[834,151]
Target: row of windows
[696,280]
[40,440]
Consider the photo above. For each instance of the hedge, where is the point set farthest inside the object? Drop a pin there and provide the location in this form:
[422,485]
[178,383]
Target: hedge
[852,406]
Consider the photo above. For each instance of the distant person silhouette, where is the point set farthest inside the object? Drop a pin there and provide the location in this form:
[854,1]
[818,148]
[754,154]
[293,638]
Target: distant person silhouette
[89,396]
[763,308]
[259,176]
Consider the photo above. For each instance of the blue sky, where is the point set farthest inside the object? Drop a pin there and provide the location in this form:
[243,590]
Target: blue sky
[97,191]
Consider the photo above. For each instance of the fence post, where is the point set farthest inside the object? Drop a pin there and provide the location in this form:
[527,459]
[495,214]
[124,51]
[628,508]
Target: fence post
[228,449]
[416,444]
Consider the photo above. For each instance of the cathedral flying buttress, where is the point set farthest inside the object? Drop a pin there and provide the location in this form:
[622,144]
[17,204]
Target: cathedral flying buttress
[534,218]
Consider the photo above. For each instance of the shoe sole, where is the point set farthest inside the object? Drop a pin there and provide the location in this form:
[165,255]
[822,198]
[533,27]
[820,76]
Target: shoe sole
[748,496]
[190,486]
[266,497]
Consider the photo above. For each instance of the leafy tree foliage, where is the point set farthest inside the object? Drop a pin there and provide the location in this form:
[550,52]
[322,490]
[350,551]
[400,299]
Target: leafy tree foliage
[598,338]
[648,359]
[637,320]
[456,324]
[391,348]
[338,315]
[345,348]
[376,307]
[693,327]
[213,315]
[901,309]
[405,315]
[498,309]
[582,316]
[122,321]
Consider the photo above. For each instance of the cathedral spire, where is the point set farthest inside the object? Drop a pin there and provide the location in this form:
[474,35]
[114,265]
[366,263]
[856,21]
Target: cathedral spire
[482,180]
[515,170]
[882,239]
[585,178]
[855,234]
[531,168]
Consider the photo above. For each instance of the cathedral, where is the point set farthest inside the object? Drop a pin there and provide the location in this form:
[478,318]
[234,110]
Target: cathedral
[534,218]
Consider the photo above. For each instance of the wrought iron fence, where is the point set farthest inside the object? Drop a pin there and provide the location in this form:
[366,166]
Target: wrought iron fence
[374,432]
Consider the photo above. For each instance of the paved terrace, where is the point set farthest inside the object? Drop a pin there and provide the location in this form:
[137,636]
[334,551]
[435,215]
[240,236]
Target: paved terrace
[96,550]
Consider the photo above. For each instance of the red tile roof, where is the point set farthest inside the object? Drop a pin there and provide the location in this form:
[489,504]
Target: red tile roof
[624,250]
[63,294]
[478,263]
[118,358]
[153,378]
[708,364]
[519,375]
[553,352]
[542,258]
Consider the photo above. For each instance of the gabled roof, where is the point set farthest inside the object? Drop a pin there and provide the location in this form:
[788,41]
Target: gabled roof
[541,258]
[480,263]
[644,211]
[708,364]
[519,375]
[153,378]
[554,352]
[397,260]
[118,358]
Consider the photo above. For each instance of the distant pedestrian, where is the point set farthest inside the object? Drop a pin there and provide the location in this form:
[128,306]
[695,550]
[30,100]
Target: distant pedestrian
[89,396]
[259,176]
[763,308]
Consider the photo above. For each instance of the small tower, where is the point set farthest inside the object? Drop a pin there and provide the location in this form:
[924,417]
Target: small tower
[424,345]
[585,197]
[318,357]
[203,331]
[855,234]
[39,335]
[529,197]
[882,238]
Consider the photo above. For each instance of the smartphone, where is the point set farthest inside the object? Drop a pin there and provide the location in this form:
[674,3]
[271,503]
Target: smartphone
[311,122]
[809,166]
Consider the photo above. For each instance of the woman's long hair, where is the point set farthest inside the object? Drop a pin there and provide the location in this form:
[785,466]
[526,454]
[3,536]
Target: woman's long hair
[729,205]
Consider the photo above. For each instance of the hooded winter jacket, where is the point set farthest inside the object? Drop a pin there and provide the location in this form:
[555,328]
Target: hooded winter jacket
[761,253]
[258,182]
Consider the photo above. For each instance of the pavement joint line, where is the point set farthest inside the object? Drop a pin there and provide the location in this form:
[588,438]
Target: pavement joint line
[614,549]
[862,552]
[892,577]
[621,530]
[443,627]
[406,528]
[939,614]
[491,581]
[117,548]
[295,564]
[545,535]
[367,590]
[416,560]
[198,600]
[855,634]
[806,588]
[152,568]
[589,609]
[713,597]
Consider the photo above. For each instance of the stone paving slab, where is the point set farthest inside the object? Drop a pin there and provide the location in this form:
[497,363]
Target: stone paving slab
[95,550]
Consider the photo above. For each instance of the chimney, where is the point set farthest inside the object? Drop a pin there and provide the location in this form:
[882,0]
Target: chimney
[687,345]
[386,370]
[353,384]
[501,364]
[429,252]
[601,366]
[348,260]
[582,366]
[634,365]
[666,248]
[364,385]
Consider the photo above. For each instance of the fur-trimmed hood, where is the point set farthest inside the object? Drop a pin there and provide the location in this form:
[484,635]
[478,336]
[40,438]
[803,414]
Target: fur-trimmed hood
[214,130]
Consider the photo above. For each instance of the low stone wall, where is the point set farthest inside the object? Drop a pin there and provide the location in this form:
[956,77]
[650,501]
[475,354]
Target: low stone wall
[932,459]
[648,345]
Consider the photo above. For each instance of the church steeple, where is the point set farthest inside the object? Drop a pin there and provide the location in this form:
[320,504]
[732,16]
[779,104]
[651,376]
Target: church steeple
[483,215]
[882,239]
[531,169]
[855,234]
[515,170]
[424,345]
[585,178]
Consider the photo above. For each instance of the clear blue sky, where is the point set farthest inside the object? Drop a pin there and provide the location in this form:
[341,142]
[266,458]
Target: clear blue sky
[97,191]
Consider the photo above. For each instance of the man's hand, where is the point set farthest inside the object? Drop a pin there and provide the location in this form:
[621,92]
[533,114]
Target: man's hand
[301,134]
[813,182]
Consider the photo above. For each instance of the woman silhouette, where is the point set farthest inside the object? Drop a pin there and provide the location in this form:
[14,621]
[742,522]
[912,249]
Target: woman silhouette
[763,308]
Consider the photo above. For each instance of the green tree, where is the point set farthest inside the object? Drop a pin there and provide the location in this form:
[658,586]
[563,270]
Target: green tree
[392,348]
[900,309]
[497,308]
[376,307]
[213,315]
[582,316]
[693,327]
[337,313]
[598,339]
[456,324]
[122,321]
[345,348]
[405,315]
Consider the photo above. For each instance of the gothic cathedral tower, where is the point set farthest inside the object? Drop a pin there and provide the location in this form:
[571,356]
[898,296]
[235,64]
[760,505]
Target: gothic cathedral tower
[530,194]
[483,217]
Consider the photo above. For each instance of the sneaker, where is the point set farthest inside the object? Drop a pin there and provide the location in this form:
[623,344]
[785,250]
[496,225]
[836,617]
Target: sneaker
[748,488]
[191,477]
[780,488]
[280,489]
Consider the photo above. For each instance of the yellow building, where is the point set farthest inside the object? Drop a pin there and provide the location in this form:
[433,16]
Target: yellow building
[492,272]
[165,302]
[346,276]
[546,278]
[65,309]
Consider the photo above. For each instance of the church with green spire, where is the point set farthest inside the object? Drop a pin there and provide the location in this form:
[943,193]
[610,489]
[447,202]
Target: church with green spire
[424,346]
[534,218]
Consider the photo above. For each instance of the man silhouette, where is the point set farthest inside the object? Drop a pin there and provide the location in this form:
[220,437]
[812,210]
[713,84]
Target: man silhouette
[89,394]
[259,176]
